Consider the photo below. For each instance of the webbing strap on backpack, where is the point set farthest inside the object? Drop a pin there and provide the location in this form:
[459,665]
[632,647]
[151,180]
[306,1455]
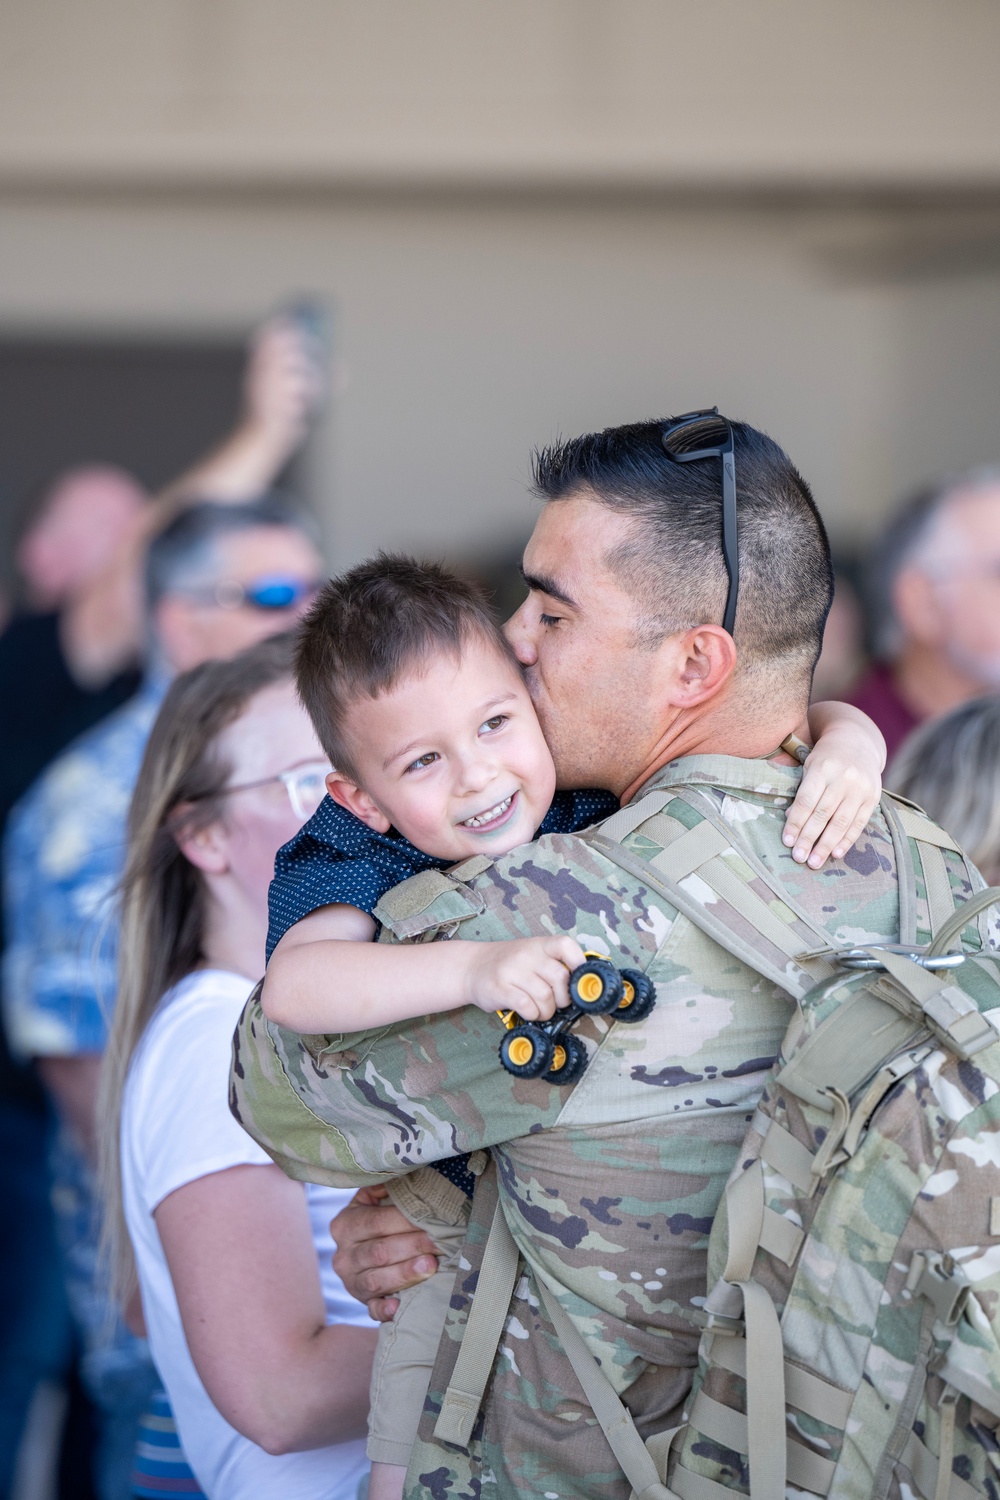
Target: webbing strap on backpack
[644,1466]
[907,822]
[482,1335]
[784,945]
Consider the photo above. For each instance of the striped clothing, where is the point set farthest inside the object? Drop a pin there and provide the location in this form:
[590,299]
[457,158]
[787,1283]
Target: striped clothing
[159,1469]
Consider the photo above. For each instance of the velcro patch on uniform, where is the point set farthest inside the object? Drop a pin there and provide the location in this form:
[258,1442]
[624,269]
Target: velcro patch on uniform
[430,899]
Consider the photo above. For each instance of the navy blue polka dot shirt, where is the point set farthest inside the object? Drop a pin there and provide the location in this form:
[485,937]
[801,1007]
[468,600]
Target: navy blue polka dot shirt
[337,858]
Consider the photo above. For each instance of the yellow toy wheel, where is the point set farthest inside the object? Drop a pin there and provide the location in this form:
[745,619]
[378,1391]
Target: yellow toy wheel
[526,1052]
[639,996]
[596,987]
[569,1060]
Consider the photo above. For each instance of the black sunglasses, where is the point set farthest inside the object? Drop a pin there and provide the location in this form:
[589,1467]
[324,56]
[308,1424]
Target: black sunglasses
[687,440]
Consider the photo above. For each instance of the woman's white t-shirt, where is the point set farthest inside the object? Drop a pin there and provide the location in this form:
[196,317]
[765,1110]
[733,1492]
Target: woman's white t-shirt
[176,1127]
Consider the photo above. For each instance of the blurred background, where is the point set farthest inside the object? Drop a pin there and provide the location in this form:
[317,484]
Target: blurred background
[542,217]
[465,230]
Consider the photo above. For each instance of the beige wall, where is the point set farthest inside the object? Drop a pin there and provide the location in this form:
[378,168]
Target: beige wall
[472,330]
[499,201]
[649,91]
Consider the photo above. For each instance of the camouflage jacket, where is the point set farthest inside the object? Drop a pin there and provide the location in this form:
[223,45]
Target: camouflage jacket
[610,1187]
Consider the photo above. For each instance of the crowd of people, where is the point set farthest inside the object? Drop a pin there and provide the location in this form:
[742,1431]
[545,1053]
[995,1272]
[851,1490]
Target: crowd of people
[247,1263]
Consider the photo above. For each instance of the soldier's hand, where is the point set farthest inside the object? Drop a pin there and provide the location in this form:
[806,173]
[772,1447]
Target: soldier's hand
[529,975]
[379,1252]
[839,791]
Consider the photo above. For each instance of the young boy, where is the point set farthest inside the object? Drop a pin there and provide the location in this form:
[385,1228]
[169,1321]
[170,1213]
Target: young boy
[439,756]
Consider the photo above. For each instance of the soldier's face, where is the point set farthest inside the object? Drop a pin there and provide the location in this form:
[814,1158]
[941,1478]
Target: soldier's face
[598,695]
[452,756]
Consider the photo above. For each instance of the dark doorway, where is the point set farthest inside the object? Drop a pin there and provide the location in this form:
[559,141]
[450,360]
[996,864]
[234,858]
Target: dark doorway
[150,406]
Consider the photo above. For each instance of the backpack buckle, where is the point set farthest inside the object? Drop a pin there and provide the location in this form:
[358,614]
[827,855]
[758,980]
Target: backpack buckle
[940,1279]
[722,1310]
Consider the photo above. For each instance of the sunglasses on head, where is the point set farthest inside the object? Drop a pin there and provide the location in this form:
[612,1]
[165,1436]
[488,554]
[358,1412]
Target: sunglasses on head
[275,591]
[689,439]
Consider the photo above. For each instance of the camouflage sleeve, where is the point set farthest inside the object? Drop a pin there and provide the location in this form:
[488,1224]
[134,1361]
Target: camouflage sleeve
[357,1109]
[352,1110]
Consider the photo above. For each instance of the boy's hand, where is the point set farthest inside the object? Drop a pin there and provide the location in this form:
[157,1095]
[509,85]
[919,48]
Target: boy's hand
[529,975]
[839,791]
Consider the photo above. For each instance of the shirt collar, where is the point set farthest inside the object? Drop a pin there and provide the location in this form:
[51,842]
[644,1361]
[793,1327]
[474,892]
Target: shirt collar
[730,773]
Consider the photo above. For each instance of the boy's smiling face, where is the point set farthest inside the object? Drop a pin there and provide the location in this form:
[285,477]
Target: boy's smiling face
[452,756]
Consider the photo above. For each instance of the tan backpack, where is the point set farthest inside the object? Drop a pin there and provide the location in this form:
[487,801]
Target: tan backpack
[851,1331]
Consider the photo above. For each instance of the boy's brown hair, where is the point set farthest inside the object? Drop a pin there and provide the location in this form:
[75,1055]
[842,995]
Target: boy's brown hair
[374,623]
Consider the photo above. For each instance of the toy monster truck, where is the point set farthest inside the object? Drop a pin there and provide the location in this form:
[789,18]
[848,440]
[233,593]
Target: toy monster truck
[548,1049]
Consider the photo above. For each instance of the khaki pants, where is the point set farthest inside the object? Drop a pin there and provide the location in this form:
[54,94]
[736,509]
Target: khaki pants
[407,1346]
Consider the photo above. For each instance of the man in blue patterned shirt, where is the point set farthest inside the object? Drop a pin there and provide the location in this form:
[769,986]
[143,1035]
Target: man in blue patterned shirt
[219,577]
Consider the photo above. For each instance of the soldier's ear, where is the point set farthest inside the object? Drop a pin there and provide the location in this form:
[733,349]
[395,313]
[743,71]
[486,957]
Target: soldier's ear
[706,657]
[357,801]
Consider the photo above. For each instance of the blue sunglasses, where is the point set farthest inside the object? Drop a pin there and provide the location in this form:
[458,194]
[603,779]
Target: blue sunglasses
[273,592]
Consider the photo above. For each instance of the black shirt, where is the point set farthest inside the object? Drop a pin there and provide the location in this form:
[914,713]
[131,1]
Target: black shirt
[42,709]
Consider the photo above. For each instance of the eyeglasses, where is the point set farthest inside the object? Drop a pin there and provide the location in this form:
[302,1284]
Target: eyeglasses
[273,592]
[305,785]
[704,434]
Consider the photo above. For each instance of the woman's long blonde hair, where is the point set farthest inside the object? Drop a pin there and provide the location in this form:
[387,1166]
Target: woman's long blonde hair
[162,894]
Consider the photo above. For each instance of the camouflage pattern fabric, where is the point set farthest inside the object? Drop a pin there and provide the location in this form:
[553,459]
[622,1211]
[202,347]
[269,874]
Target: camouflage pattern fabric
[871,1179]
[609,1188]
[855,1315]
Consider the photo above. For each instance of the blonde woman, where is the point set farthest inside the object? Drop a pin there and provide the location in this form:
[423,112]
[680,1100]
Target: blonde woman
[951,767]
[265,1357]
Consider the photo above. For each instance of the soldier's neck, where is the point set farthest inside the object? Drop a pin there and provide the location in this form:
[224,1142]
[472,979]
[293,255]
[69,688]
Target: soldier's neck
[722,729]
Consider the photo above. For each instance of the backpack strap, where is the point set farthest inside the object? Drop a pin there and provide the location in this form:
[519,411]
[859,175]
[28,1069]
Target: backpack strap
[937,886]
[908,823]
[643,1464]
[481,1336]
[772,935]
[905,873]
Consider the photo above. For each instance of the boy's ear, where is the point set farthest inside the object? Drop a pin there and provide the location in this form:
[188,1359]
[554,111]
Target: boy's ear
[347,792]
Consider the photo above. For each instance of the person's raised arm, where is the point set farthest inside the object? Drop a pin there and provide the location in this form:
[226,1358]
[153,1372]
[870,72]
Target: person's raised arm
[283,387]
[840,787]
[243,1263]
[101,628]
[326,975]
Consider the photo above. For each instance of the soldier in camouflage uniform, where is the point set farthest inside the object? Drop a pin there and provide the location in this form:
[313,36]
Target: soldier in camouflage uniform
[610,1188]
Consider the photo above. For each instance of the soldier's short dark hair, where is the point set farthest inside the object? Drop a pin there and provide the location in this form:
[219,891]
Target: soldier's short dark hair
[672,560]
[372,625]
